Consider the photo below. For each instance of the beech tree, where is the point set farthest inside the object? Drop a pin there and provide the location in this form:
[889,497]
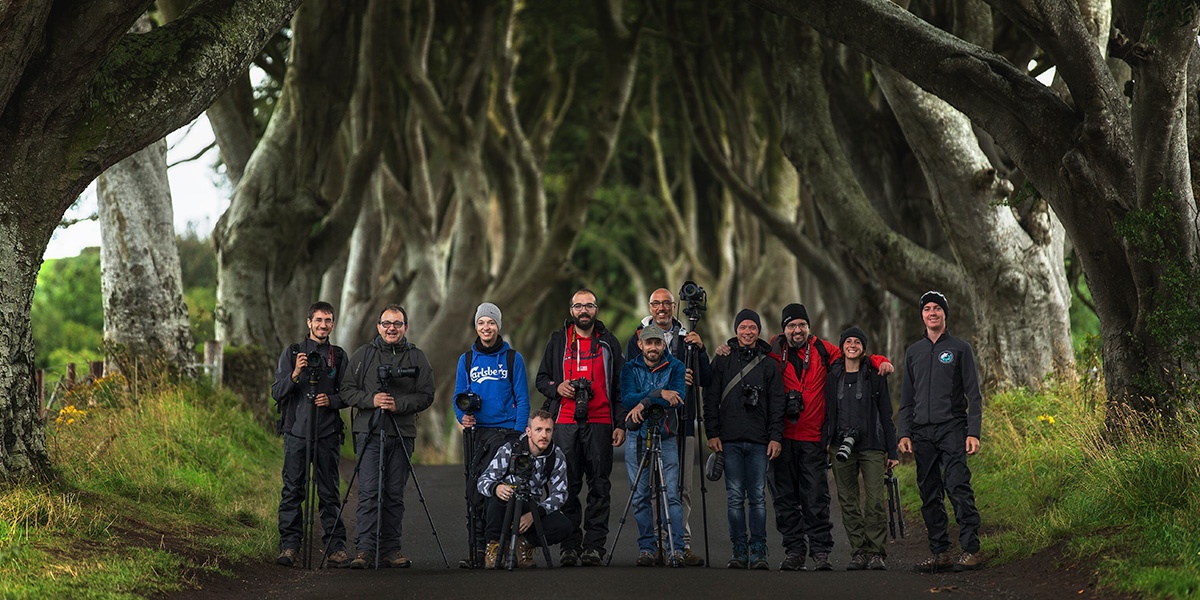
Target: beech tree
[77,94]
[1111,157]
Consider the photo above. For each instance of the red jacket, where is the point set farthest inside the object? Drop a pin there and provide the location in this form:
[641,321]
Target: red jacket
[811,385]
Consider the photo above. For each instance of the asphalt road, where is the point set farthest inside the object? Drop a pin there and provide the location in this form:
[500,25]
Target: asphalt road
[429,577]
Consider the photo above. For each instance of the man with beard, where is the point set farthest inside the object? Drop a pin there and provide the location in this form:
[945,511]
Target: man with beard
[547,482]
[394,412]
[579,376]
[291,391]
[662,307]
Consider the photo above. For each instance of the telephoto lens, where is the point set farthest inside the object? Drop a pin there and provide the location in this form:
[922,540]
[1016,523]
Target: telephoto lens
[849,436]
[468,402]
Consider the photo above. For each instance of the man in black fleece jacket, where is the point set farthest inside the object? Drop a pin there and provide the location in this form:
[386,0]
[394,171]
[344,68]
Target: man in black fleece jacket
[941,410]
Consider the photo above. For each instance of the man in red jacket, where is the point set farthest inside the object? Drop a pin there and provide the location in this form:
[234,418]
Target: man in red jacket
[799,488]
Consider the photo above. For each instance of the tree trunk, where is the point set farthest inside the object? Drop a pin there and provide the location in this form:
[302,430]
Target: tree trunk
[145,317]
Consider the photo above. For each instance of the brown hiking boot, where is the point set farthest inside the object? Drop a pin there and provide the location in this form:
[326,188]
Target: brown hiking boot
[361,560]
[489,556]
[968,561]
[525,554]
[338,560]
[940,561]
[287,557]
[692,559]
[395,560]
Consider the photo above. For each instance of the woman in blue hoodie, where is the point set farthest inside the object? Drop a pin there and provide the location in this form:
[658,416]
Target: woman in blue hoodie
[491,384]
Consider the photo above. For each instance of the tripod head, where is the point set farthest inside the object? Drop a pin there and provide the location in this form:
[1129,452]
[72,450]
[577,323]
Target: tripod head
[697,302]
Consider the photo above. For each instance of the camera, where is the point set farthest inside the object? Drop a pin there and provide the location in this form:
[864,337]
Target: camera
[793,405]
[654,414]
[387,373]
[522,464]
[468,402]
[316,361]
[849,437]
[751,395]
[696,298]
[583,395]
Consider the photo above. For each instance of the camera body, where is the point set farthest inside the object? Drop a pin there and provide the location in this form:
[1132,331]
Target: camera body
[751,395]
[583,395]
[654,415]
[521,466]
[316,361]
[696,299]
[793,405]
[468,402]
[849,438]
[386,373]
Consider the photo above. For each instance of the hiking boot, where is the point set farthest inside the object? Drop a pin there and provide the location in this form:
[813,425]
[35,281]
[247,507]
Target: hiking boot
[645,559]
[822,562]
[740,559]
[758,556]
[858,562]
[525,554]
[569,558]
[939,561]
[877,563]
[395,560]
[591,558]
[490,555]
[792,562]
[360,561]
[338,560]
[968,561]
[692,559]
[287,557]
[676,560]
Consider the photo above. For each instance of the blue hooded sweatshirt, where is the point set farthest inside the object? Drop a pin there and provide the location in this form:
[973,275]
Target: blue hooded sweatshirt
[504,396]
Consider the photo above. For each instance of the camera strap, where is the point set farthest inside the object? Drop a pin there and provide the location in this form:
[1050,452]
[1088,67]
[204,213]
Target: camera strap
[741,374]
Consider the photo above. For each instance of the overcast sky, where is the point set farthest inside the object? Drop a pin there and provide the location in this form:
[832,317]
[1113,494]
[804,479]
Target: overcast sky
[199,193]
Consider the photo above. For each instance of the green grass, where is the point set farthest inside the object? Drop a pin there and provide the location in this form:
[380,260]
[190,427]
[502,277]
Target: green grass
[146,495]
[1047,476]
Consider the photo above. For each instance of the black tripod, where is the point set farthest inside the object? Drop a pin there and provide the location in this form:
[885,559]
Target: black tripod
[895,514]
[308,518]
[471,479]
[511,529]
[694,311]
[652,458]
[376,425]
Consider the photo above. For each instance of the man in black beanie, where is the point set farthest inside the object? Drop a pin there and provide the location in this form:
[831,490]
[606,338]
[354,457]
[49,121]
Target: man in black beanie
[941,411]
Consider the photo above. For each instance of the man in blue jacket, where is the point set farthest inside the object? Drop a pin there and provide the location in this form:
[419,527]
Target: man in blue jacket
[492,375]
[654,378]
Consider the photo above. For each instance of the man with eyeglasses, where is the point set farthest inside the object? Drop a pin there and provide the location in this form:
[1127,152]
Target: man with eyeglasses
[583,361]
[393,411]
[662,314]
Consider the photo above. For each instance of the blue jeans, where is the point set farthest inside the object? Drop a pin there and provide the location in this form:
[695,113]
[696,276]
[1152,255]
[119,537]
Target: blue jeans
[745,481]
[643,497]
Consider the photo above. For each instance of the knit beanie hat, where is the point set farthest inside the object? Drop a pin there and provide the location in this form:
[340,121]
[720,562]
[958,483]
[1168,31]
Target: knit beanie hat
[937,298]
[792,312]
[487,309]
[745,314]
[853,332]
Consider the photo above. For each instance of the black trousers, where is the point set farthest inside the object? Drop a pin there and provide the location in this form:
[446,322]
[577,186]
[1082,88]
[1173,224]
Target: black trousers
[395,477]
[800,494]
[487,441]
[941,453]
[556,525]
[295,487]
[589,453]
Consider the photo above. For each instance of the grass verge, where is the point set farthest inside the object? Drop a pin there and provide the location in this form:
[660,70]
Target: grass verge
[147,495]
[1048,476]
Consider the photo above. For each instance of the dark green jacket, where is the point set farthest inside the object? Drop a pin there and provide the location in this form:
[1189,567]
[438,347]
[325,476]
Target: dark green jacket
[412,394]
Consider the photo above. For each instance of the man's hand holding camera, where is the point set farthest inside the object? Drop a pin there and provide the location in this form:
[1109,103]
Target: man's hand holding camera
[566,390]
[385,401]
[301,363]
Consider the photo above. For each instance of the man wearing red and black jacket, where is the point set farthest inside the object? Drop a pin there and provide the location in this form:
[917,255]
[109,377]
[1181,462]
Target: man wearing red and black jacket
[584,358]
[799,488]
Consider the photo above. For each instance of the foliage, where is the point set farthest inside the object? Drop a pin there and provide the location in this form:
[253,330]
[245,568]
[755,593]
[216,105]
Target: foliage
[145,494]
[1048,476]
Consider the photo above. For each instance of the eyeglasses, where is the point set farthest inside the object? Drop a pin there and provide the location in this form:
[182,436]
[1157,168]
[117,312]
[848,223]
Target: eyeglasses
[589,306]
[391,324]
[661,303]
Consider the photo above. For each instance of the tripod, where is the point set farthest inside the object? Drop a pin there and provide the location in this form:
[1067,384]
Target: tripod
[895,515]
[692,361]
[652,458]
[471,478]
[511,530]
[308,518]
[376,425]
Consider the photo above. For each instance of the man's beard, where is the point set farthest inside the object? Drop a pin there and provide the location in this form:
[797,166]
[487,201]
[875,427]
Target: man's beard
[579,324]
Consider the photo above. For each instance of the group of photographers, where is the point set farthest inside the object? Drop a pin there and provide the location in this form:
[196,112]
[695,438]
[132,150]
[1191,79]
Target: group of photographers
[777,413]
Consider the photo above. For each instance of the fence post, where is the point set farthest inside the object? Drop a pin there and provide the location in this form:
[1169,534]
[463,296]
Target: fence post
[95,370]
[70,375]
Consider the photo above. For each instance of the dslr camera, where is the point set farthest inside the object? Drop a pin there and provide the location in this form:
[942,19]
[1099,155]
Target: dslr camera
[386,373]
[849,437]
[654,414]
[522,465]
[696,298]
[793,405]
[583,395]
[751,394]
[468,402]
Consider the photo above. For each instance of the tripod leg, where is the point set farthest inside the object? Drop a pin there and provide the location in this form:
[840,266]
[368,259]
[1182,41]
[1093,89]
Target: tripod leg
[628,503]
[472,508]
[412,472]
[379,498]
[541,535]
[665,501]
[516,505]
[506,531]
